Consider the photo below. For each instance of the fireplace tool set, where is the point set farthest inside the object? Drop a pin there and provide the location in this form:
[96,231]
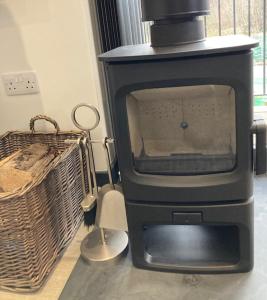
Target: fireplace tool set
[103,207]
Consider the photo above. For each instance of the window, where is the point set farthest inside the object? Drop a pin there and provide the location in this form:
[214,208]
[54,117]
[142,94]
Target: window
[227,17]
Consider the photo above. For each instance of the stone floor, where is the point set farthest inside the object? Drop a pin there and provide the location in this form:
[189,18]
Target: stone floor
[124,282]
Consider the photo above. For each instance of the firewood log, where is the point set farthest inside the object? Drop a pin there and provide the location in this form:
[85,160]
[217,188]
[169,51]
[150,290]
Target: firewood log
[19,169]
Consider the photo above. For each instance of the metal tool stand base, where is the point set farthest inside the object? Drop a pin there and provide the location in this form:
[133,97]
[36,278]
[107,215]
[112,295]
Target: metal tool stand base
[102,246]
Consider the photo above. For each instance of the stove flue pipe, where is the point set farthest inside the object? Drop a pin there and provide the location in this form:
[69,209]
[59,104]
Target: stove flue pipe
[175,21]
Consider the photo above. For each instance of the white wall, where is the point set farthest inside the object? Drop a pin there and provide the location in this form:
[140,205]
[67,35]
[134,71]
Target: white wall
[55,39]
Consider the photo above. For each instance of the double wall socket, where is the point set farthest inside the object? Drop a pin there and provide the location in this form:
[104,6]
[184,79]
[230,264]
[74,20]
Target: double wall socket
[21,83]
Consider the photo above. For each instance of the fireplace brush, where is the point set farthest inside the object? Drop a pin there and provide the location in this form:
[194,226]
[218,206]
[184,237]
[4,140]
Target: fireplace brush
[89,202]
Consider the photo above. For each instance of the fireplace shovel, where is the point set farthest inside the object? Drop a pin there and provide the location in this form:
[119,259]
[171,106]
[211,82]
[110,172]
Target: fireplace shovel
[111,213]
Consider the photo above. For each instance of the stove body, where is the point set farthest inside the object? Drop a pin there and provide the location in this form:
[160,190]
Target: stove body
[183,125]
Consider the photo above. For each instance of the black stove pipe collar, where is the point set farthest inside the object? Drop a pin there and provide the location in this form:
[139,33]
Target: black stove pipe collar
[175,21]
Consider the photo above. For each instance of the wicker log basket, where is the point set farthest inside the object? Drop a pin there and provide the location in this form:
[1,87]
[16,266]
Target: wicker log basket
[39,221]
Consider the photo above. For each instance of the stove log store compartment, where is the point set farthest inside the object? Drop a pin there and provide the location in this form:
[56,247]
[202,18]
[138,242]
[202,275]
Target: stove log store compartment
[183,126]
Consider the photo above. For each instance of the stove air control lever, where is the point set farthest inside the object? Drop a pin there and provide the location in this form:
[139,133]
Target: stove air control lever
[260,131]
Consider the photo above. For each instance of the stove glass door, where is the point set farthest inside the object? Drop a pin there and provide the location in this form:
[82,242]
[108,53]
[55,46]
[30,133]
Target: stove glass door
[183,130]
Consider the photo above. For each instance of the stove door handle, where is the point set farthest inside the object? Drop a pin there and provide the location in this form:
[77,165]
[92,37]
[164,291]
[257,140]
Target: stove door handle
[260,131]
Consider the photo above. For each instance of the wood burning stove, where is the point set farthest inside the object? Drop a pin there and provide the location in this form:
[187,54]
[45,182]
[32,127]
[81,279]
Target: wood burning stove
[182,117]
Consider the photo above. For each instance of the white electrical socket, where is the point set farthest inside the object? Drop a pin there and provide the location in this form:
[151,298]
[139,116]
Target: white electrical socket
[21,83]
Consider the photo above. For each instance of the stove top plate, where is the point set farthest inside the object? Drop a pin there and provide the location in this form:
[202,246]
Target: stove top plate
[213,45]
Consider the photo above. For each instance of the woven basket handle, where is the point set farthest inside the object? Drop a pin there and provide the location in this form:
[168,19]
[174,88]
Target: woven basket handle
[42,117]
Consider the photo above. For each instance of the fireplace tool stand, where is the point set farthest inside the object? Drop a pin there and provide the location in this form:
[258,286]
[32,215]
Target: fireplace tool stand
[108,242]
